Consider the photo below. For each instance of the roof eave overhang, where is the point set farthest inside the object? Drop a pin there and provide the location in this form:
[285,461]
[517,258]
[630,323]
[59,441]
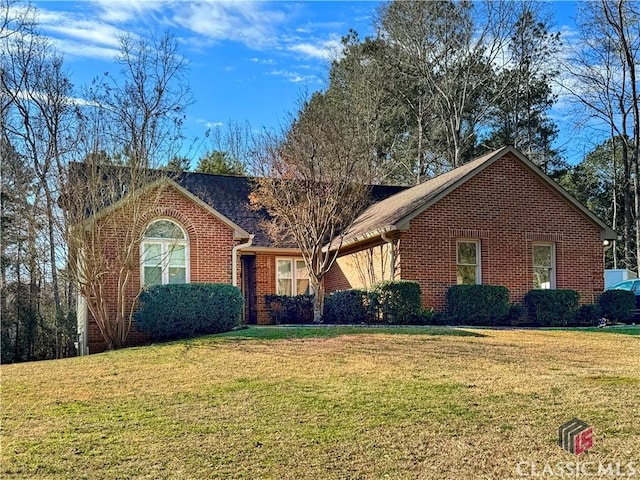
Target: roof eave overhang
[606,232]
[366,237]
[273,250]
[239,233]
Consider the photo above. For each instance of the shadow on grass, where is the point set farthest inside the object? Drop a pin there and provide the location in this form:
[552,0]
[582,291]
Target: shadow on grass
[330,331]
[618,329]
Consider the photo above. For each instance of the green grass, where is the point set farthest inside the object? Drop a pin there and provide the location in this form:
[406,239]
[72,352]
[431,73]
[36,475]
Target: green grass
[617,329]
[327,331]
[323,402]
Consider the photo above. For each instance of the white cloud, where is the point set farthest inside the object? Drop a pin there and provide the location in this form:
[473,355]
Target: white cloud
[79,37]
[209,124]
[322,50]
[88,31]
[263,61]
[121,11]
[245,22]
[294,77]
[83,49]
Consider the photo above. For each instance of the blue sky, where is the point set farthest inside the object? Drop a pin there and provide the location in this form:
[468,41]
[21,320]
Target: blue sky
[249,61]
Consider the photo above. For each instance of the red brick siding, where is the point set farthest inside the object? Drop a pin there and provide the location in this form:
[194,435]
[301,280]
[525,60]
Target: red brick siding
[353,269]
[507,208]
[340,277]
[265,283]
[210,247]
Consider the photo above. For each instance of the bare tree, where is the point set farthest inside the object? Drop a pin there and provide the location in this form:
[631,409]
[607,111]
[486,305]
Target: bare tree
[313,183]
[108,208]
[144,104]
[38,130]
[604,81]
[448,58]
[130,124]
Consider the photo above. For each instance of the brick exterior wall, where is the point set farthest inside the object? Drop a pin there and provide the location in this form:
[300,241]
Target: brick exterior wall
[361,269]
[210,247]
[507,208]
[265,283]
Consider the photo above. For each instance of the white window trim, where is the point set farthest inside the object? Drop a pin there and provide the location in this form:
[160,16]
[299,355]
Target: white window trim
[552,278]
[478,257]
[164,243]
[294,282]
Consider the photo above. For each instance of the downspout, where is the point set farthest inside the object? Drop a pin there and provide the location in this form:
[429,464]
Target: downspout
[234,259]
[82,312]
[392,265]
[82,319]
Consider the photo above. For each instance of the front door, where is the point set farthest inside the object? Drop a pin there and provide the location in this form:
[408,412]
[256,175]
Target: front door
[249,289]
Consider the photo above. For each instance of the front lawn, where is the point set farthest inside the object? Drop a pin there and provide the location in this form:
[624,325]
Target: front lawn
[316,403]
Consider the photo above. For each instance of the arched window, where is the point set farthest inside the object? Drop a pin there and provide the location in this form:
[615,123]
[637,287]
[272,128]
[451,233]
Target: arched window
[165,254]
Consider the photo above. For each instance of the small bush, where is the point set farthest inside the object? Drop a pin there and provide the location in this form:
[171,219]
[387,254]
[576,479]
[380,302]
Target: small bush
[183,311]
[287,310]
[517,315]
[427,316]
[346,306]
[396,302]
[587,315]
[551,308]
[617,305]
[478,304]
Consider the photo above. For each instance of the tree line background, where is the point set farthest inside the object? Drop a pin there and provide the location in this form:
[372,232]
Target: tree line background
[439,83]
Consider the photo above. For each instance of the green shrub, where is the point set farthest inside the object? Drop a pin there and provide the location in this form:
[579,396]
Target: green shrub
[587,315]
[517,316]
[427,316]
[551,308]
[287,310]
[478,304]
[185,310]
[396,302]
[347,306]
[617,305]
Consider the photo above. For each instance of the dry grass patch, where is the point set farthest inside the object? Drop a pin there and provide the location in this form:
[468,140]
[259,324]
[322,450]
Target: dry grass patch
[383,404]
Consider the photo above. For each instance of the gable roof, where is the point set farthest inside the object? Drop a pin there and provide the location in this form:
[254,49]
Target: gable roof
[229,195]
[396,212]
[226,197]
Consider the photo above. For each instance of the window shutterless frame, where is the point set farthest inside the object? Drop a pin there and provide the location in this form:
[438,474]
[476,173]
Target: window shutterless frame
[544,265]
[468,271]
[164,254]
[292,276]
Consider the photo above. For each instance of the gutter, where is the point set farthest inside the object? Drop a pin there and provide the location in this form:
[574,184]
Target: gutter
[234,259]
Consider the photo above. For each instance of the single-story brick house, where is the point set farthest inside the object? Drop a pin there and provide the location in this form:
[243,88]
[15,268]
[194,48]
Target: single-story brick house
[496,220]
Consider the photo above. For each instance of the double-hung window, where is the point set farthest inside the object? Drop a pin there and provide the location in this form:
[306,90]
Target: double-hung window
[544,266]
[468,262]
[292,277]
[165,254]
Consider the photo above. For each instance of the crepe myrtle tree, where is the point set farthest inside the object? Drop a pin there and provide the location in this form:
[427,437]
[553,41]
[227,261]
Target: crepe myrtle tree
[107,208]
[312,180]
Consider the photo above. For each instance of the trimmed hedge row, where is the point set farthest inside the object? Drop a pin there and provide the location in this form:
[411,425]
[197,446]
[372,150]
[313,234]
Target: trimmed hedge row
[477,304]
[551,308]
[390,302]
[286,309]
[397,302]
[617,305]
[169,312]
[487,305]
[347,306]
